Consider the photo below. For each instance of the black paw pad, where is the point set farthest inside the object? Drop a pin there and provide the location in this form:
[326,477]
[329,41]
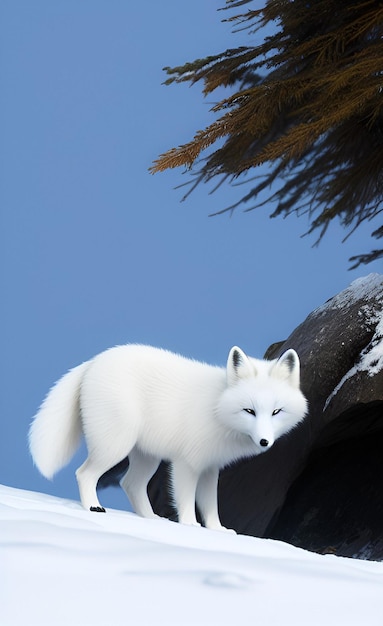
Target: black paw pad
[98,509]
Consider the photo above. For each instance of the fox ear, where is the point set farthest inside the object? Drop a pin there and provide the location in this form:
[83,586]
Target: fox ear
[238,366]
[287,367]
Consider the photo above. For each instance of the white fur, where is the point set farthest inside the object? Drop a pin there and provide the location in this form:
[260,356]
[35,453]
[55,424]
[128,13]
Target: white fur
[154,405]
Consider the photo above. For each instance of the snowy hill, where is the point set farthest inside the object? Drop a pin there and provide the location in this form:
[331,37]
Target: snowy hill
[61,565]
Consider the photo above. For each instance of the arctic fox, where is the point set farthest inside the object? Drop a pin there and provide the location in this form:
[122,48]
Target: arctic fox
[152,405]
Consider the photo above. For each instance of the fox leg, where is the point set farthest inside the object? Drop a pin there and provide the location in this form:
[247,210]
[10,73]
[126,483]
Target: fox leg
[88,474]
[207,498]
[135,481]
[87,478]
[185,480]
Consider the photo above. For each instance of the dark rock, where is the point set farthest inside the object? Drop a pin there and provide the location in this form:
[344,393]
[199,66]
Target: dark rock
[337,500]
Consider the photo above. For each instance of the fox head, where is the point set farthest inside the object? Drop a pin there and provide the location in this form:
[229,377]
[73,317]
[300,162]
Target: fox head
[262,399]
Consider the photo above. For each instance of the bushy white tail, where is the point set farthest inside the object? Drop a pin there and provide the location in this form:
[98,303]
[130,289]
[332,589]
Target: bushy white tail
[55,432]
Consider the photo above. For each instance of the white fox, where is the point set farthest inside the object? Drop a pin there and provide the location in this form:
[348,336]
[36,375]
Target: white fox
[152,405]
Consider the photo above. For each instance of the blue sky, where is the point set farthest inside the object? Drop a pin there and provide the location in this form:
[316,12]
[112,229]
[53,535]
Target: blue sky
[96,251]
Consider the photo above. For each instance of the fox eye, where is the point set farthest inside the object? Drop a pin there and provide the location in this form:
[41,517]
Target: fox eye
[251,411]
[276,411]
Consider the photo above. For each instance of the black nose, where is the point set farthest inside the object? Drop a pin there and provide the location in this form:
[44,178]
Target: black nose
[264,443]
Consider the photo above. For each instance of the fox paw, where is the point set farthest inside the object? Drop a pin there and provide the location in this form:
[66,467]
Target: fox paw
[223,529]
[98,509]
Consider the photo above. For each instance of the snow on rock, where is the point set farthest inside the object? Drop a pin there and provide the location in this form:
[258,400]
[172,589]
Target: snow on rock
[368,287]
[370,360]
[368,291]
[61,566]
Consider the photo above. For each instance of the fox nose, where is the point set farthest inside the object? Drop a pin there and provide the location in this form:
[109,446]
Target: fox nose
[264,443]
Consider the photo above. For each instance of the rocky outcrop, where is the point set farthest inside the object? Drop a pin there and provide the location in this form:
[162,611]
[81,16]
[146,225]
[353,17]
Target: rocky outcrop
[320,487]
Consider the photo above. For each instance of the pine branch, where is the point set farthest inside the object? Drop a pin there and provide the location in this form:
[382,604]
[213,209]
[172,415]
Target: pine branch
[308,101]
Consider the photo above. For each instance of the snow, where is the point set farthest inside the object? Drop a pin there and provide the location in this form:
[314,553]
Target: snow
[63,565]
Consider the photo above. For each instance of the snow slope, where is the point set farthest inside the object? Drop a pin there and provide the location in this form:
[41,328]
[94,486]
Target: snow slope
[61,565]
